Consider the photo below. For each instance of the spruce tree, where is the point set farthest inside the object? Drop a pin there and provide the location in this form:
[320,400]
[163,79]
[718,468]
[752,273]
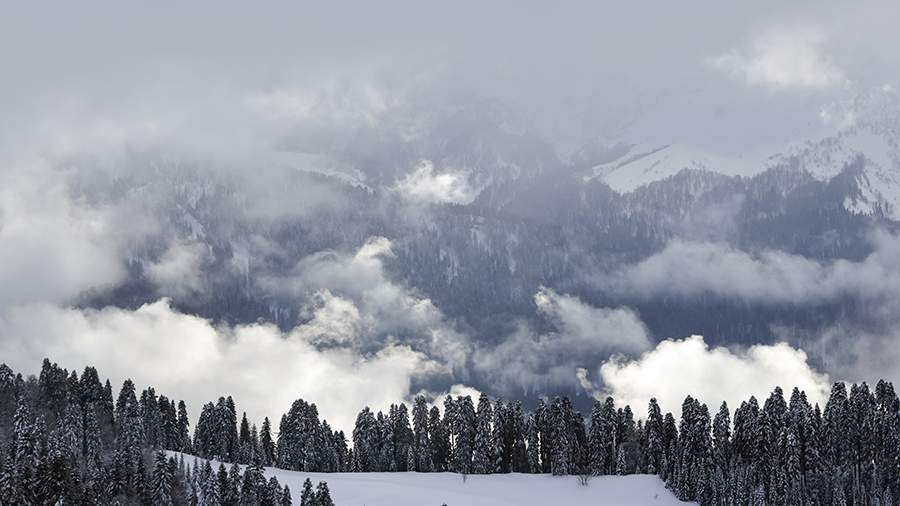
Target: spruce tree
[655,439]
[422,450]
[244,441]
[722,436]
[608,419]
[534,451]
[439,439]
[307,495]
[482,454]
[230,484]
[323,496]
[463,430]
[162,482]
[273,493]
[267,445]
[597,438]
[365,451]
[210,488]
[23,461]
[183,437]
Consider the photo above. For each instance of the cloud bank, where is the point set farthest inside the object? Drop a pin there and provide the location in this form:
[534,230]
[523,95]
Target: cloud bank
[53,247]
[181,355]
[676,368]
[770,276]
[352,301]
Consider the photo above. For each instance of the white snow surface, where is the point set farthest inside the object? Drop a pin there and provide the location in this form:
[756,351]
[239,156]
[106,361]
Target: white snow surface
[424,489]
[824,158]
[644,164]
[877,144]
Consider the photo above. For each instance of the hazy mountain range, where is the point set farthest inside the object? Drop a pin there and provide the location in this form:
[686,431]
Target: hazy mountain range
[482,214]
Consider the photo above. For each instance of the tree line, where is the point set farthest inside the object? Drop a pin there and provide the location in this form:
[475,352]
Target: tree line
[65,438]
[65,441]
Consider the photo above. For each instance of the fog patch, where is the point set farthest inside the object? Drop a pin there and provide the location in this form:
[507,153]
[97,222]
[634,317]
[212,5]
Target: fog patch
[425,184]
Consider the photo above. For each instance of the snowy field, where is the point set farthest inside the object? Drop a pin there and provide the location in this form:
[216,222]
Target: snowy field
[425,489]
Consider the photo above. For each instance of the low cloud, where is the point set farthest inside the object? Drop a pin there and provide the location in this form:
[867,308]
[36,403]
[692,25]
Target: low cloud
[583,325]
[425,184]
[178,272]
[770,276]
[352,297]
[784,59]
[676,368]
[581,336]
[187,356]
[53,246]
[330,102]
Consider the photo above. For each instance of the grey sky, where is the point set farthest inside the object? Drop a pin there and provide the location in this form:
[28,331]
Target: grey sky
[228,82]
[693,72]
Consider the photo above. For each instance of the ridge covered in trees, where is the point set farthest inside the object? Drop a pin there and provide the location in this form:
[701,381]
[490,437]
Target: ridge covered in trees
[65,439]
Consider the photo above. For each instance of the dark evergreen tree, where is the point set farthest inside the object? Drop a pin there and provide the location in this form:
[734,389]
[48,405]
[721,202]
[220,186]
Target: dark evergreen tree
[150,414]
[461,413]
[655,440]
[323,496]
[422,449]
[482,451]
[439,439]
[722,437]
[163,480]
[365,442]
[533,449]
[402,436]
[244,446]
[307,495]
[183,438]
[286,499]
[267,444]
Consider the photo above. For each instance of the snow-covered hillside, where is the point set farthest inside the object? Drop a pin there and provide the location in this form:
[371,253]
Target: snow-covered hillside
[869,143]
[643,164]
[873,146]
[423,489]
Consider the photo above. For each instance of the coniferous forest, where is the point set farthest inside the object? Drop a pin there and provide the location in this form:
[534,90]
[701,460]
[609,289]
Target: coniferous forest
[67,439]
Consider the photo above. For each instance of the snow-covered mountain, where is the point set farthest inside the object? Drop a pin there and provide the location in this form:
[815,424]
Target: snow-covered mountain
[643,164]
[501,214]
[867,140]
[873,152]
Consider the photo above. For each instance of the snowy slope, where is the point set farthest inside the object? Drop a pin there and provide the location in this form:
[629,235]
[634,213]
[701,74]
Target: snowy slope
[870,143]
[643,164]
[876,144]
[418,489]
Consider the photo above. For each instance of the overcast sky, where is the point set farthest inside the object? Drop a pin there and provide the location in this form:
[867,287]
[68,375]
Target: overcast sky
[726,75]
[229,79]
